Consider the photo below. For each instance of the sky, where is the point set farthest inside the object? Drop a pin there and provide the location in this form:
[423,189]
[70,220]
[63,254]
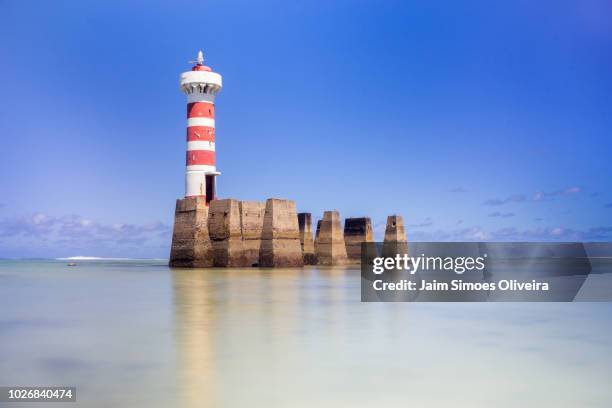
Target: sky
[474,120]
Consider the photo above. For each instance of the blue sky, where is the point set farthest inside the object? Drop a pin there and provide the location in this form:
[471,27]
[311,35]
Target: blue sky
[472,119]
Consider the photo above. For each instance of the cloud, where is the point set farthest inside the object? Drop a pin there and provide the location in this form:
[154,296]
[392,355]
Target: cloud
[572,190]
[458,190]
[517,198]
[34,225]
[502,215]
[74,232]
[462,234]
[540,195]
[554,234]
[474,234]
[427,222]
[543,234]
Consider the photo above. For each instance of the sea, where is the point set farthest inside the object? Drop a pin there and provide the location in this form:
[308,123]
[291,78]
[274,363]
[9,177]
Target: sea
[136,333]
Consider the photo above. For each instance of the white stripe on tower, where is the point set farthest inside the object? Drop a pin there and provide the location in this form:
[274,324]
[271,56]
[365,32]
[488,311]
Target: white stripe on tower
[208,122]
[201,168]
[201,146]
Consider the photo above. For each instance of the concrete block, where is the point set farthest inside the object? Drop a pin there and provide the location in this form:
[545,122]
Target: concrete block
[191,245]
[330,248]
[356,231]
[225,229]
[395,237]
[280,240]
[305,226]
[251,221]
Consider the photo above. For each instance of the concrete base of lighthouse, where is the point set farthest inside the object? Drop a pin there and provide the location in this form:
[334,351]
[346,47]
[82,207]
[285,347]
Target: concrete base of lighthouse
[280,238]
[232,233]
[225,228]
[191,246]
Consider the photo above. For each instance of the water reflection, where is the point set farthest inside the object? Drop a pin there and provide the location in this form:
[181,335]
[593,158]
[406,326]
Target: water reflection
[194,315]
[246,326]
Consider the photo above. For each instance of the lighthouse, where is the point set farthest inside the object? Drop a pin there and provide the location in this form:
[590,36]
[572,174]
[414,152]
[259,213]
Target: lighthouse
[201,85]
[209,232]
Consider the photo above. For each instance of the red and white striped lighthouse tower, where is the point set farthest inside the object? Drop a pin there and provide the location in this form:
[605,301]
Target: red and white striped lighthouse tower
[201,85]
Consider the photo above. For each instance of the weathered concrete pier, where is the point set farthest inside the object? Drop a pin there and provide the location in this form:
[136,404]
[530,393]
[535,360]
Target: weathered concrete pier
[356,231]
[235,234]
[395,237]
[280,238]
[226,233]
[330,248]
[306,242]
[191,246]
[252,216]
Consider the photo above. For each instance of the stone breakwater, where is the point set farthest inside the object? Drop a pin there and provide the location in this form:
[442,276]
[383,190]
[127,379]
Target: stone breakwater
[233,233]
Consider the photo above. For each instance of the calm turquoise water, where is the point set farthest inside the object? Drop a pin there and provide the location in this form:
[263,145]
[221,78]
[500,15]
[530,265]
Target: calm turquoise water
[138,334]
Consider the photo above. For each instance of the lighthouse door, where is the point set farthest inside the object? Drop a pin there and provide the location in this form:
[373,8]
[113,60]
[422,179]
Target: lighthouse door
[210,188]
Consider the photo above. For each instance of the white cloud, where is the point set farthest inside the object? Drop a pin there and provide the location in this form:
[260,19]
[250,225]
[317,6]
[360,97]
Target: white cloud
[76,233]
[538,196]
[601,233]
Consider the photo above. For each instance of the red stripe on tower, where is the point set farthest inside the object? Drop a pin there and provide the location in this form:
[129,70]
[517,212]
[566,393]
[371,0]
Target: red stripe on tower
[201,110]
[200,133]
[199,157]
